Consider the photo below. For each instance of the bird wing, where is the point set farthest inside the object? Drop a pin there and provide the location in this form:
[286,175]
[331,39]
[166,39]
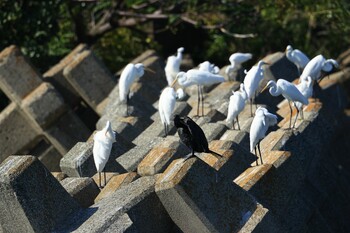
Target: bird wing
[257,131]
[300,58]
[291,92]
[270,119]
[125,81]
[199,77]
[200,143]
[167,103]
[313,68]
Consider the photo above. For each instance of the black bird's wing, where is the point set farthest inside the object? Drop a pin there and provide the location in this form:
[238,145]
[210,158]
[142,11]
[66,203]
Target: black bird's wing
[199,141]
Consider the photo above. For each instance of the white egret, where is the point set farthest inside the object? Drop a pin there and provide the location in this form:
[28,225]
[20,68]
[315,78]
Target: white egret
[297,57]
[199,78]
[305,88]
[236,60]
[103,141]
[236,106]
[128,76]
[180,94]
[316,66]
[172,66]
[290,92]
[252,80]
[261,122]
[166,106]
[207,66]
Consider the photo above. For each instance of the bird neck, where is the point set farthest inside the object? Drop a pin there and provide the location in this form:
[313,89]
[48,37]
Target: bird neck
[275,90]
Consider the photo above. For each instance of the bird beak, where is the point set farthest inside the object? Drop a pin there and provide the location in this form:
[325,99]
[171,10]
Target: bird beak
[264,89]
[267,63]
[150,70]
[173,83]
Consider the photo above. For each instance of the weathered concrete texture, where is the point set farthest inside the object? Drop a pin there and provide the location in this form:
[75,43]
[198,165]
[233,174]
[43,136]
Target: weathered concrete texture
[90,78]
[145,212]
[51,159]
[55,76]
[83,190]
[67,131]
[16,132]
[32,200]
[17,77]
[45,105]
[194,198]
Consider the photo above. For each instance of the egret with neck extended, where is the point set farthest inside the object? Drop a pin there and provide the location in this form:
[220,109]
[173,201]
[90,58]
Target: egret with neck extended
[172,67]
[290,92]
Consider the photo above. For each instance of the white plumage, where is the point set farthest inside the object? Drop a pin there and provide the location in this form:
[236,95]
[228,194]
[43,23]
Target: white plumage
[260,124]
[316,66]
[209,67]
[128,76]
[305,88]
[166,106]
[236,60]
[180,94]
[172,67]
[289,91]
[252,80]
[199,78]
[236,105]
[103,141]
[297,57]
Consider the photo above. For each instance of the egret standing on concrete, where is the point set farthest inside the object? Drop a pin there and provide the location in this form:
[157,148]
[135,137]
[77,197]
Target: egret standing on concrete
[316,66]
[236,105]
[305,88]
[236,60]
[166,106]
[290,92]
[192,135]
[199,78]
[261,122]
[103,141]
[128,76]
[172,67]
[297,57]
[252,80]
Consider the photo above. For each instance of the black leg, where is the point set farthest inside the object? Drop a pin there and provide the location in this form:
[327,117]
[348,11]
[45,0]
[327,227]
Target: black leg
[260,153]
[251,107]
[202,98]
[99,179]
[165,130]
[302,112]
[198,101]
[296,117]
[239,128]
[233,124]
[291,112]
[256,154]
[127,104]
[104,173]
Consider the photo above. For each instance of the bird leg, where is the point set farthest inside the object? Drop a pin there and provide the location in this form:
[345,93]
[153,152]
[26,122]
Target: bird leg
[291,113]
[251,107]
[239,128]
[99,179]
[260,152]
[202,97]
[104,174]
[296,117]
[257,158]
[127,104]
[302,113]
[198,101]
[233,124]
[165,130]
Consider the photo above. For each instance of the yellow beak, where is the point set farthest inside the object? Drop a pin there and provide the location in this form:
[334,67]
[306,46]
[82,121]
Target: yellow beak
[173,83]
[264,89]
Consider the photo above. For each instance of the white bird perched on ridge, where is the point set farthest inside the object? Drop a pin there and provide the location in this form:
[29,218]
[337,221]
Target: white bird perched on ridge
[166,106]
[260,124]
[290,92]
[236,105]
[305,88]
[297,57]
[127,77]
[252,80]
[172,67]
[236,60]
[316,66]
[199,78]
[207,66]
[103,141]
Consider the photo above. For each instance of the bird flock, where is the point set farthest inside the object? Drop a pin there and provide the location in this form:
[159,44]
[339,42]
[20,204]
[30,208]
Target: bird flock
[206,74]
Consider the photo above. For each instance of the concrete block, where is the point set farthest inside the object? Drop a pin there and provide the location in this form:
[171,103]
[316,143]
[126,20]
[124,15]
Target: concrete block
[252,175]
[45,105]
[195,203]
[66,132]
[59,175]
[154,161]
[115,183]
[51,159]
[31,196]
[213,130]
[17,77]
[84,190]
[16,133]
[55,76]
[221,93]
[134,207]
[90,78]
